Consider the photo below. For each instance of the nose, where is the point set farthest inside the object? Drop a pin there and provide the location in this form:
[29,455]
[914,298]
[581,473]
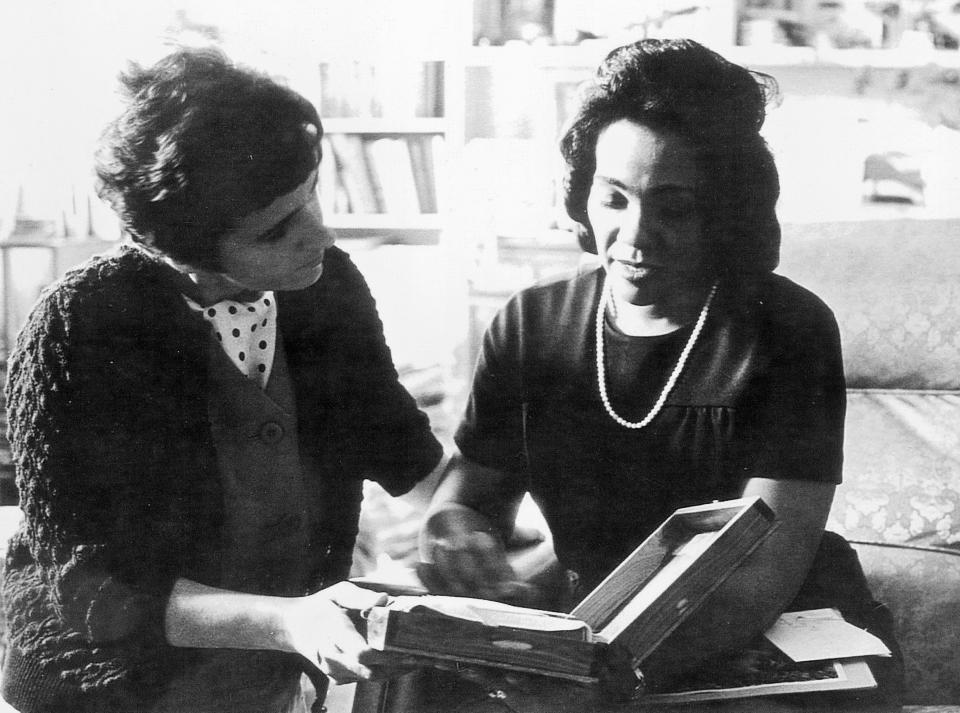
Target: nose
[327,236]
[634,230]
[313,234]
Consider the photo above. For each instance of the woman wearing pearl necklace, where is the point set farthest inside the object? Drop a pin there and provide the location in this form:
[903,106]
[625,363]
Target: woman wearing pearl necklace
[678,372]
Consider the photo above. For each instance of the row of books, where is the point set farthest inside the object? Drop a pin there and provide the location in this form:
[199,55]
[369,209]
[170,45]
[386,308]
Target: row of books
[381,174]
[395,90]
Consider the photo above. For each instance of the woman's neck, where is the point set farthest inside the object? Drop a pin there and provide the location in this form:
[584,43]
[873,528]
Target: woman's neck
[655,319]
[640,320]
[204,286]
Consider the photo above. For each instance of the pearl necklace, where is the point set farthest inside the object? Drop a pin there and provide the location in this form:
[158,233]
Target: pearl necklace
[607,298]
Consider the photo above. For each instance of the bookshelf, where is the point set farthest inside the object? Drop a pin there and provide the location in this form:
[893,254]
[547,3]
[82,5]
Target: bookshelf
[384,146]
[836,108]
[390,97]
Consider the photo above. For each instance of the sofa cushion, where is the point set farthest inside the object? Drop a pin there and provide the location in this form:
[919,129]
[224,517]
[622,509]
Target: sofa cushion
[920,586]
[901,475]
[894,286]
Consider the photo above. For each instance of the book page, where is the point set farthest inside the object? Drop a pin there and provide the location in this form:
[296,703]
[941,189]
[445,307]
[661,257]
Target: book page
[489,613]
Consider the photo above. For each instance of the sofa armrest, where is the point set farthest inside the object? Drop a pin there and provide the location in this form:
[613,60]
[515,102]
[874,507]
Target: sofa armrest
[920,585]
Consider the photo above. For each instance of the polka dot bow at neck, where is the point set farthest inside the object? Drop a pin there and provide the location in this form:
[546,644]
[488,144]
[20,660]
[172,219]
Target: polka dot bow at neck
[247,331]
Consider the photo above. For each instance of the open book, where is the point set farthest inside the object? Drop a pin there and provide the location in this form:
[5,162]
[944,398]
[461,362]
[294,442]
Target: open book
[668,577]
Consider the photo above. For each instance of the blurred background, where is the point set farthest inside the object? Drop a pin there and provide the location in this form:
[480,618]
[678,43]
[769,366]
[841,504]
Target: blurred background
[441,121]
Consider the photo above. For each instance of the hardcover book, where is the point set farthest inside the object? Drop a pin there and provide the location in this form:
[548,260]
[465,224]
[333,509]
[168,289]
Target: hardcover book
[769,673]
[668,577]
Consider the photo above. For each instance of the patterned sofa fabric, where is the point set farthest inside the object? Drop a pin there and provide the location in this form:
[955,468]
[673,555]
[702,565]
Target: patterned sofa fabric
[894,286]
[901,469]
[922,589]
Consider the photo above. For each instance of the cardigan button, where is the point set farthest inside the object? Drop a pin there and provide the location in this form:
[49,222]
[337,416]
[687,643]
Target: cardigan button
[271,432]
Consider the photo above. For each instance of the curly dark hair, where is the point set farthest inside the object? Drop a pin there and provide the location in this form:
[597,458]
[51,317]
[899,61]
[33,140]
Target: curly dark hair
[201,143]
[682,87]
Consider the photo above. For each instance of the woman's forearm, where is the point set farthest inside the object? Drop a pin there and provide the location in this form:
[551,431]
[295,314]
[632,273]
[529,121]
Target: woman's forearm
[315,626]
[758,590]
[206,617]
[471,498]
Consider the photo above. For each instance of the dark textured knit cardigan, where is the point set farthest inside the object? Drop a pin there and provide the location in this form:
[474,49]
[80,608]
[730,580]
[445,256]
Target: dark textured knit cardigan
[118,478]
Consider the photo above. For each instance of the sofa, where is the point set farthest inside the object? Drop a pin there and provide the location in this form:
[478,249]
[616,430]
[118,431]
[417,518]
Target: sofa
[894,286]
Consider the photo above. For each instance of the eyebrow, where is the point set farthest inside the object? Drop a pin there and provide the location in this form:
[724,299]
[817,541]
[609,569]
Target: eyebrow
[660,187]
[282,224]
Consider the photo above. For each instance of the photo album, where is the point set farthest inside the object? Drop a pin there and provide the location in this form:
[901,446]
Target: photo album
[663,581]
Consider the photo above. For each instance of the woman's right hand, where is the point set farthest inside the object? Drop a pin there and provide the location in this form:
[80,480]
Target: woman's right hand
[464,557]
[318,628]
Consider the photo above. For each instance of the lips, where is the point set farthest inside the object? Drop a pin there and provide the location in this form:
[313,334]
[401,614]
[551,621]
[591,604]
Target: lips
[633,271]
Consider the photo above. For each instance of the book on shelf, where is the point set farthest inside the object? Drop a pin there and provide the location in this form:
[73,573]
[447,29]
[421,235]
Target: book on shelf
[421,159]
[333,195]
[396,175]
[431,95]
[658,586]
[438,163]
[354,173]
[401,89]
[391,169]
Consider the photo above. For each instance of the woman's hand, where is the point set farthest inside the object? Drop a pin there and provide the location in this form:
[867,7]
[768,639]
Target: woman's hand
[473,511]
[319,628]
[465,558]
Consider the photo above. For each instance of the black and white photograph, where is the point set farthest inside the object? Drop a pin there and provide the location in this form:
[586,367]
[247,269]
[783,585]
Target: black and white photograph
[480,356]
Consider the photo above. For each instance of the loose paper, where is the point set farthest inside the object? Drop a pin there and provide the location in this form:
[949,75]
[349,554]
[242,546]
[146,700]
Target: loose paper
[819,634]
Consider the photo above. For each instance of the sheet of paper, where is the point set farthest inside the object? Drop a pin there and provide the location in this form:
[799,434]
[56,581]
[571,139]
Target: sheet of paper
[818,634]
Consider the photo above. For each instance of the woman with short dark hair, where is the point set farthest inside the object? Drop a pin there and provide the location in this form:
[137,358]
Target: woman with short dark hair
[717,106]
[192,417]
[678,372]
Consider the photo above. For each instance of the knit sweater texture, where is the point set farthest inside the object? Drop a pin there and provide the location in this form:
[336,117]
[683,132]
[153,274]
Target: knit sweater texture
[117,472]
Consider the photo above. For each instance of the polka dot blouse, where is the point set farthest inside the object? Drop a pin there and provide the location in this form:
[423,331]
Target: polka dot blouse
[247,331]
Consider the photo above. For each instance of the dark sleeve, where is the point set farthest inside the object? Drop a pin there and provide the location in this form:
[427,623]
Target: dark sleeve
[791,426]
[491,431]
[83,526]
[394,444]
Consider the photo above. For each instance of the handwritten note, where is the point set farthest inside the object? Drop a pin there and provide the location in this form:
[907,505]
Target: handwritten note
[818,634]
